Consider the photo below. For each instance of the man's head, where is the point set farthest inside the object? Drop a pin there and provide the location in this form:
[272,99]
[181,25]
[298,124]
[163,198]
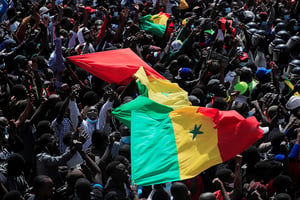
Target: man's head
[15,164]
[99,139]
[72,177]
[282,184]
[44,126]
[117,171]
[43,187]
[282,196]
[90,98]
[227,177]
[207,196]
[217,88]
[13,195]
[19,91]
[82,188]
[124,130]
[58,108]
[245,74]
[92,114]
[179,191]
[49,143]
[220,103]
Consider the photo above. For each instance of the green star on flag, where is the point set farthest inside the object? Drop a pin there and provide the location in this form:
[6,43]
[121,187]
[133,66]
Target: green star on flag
[196,131]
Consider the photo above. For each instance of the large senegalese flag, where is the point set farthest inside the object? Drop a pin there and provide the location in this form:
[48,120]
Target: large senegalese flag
[115,66]
[155,24]
[160,90]
[180,144]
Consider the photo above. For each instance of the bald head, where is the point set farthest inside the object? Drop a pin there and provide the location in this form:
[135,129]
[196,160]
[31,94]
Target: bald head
[207,196]
[179,191]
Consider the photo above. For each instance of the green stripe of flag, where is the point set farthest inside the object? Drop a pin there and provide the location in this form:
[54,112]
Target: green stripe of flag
[148,25]
[154,155]
[141,103]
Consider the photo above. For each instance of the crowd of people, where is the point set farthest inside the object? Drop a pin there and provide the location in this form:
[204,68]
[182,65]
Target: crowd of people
[57,135]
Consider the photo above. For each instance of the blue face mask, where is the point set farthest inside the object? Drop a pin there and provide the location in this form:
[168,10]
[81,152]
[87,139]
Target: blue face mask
[243,64]
[227,10]
[2,66]
[296,28]
[263,23]
[126,139]
[281,121]
[91,121]
[286,17]
[6,134]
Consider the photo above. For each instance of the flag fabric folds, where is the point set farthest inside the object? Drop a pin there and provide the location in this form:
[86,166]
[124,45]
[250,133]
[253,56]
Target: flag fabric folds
[161,91]
[142,104]
[177,145]
[183,5]
[155,24]
[290,85]
[115,66]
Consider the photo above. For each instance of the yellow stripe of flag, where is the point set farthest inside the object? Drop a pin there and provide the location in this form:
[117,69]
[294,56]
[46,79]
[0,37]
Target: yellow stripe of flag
[160,18]
[163,91]
[196,140]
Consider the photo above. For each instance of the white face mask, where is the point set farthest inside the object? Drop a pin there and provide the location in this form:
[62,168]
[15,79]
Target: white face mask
[231,185]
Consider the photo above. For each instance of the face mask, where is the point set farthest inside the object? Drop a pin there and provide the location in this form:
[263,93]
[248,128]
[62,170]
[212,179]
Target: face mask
[227,10]
[2,66]
[263,23]
[6,134]
[126,139]
[231,185]
[296,28]
[91,121]
[243,64]
[281,121]
[286,17]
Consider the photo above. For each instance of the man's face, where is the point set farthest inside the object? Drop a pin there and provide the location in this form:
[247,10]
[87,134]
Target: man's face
[47,189]
[92,113]
[121,172]
[53,145]
[220,90]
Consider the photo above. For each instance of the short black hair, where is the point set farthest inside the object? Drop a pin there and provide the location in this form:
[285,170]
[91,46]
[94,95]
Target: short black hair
[12,195]
[111,166]
[220,103]
[15,164]
[38,182]
[82,185]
